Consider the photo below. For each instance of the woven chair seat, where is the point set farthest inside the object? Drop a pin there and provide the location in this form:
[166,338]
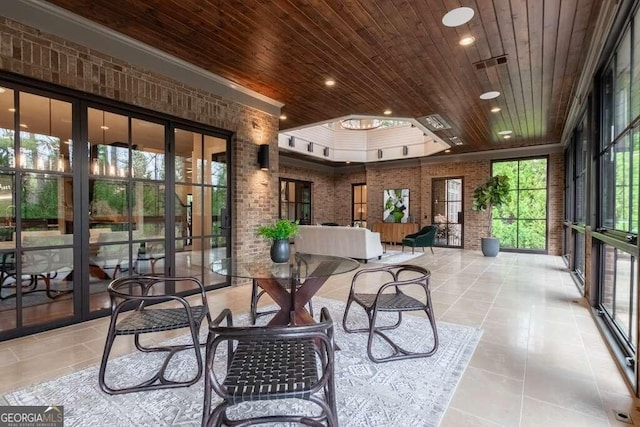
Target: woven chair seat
[159,319]
[272,369]
[390,298]
[270,363]
[390,302]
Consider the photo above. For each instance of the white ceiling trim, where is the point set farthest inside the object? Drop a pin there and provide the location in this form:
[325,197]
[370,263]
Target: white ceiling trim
[362,145]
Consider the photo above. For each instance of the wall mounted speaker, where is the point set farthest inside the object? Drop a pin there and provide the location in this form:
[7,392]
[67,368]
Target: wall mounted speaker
[326,151]
[379,154]
[292,141]
[310,147]
[405,150]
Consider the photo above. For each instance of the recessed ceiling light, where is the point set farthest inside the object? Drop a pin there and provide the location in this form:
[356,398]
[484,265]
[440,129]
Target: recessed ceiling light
[495,109]
[347,162]
[13,110]
[330,82]
[447,150]
[387,112]
[103,127]
[505,132]
[283,117]
[2,90]
[23,125]
[232,86]
[457,16]
[507,136]
[466,41]
[490,95]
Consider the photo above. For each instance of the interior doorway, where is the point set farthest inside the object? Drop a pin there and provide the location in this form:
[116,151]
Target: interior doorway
[448,211]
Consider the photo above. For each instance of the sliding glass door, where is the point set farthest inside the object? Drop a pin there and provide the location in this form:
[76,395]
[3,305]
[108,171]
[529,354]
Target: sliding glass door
[141,195]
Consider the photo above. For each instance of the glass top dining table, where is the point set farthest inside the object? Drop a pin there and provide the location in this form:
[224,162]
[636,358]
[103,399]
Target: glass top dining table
[300,266]
[291,284]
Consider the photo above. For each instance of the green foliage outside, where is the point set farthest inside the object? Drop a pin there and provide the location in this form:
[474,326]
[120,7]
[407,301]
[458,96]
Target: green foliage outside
[522,222]
[493,193]
[626,164]
[282,229]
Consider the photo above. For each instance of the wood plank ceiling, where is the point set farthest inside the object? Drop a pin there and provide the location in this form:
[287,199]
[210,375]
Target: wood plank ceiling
[384,54]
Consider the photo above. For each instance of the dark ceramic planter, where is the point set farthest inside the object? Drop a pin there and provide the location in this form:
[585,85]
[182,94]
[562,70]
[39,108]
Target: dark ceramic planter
[280,251]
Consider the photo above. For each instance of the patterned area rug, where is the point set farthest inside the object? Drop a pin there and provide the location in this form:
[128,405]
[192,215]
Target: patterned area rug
[403,393]
[397,257]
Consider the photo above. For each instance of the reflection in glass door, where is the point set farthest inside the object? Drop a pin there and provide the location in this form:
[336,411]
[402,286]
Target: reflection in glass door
[447,210]
[37,277]
[202,224]
[134,198]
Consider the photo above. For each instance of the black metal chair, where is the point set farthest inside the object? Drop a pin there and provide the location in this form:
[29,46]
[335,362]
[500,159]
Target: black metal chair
[391,298]
[270,363]
[139,293]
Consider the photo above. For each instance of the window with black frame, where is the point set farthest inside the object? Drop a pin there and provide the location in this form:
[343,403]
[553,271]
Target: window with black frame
[359,197]
[295,200]
[615,236]
[521,224]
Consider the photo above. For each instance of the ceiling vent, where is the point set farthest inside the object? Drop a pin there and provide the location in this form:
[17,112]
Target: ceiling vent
[454,140]
[434,122]
[491,62]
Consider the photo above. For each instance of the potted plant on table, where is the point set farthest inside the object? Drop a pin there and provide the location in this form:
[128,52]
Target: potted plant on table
[279,233]
[492,194]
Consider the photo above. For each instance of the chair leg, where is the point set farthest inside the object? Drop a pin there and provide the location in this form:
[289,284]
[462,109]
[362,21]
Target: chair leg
[103,364]
[158,380]
[431,247]
[403,247]
[413,248]
[254,302]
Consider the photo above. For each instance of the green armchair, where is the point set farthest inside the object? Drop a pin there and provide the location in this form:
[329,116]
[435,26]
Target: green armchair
[422,239]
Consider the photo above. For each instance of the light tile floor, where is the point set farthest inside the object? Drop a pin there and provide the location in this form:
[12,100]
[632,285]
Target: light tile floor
[541,360]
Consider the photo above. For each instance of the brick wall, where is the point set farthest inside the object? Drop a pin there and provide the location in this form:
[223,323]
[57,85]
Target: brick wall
[28,52]
[343,191]
[379,179]
[556,203]
[323,191]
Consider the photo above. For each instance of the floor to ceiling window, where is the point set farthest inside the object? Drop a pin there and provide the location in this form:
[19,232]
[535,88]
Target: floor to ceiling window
[618,162]
[522,223]
[575,212]
[140,196]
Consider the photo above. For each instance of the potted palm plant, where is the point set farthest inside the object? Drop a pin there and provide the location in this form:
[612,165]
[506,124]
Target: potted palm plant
[492,194]
[279,233]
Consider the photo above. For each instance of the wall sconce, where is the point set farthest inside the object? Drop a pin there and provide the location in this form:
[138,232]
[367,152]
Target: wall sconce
[263,156]
[379,154]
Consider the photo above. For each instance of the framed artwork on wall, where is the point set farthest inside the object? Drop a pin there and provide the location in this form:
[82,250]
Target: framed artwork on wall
[396,205]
